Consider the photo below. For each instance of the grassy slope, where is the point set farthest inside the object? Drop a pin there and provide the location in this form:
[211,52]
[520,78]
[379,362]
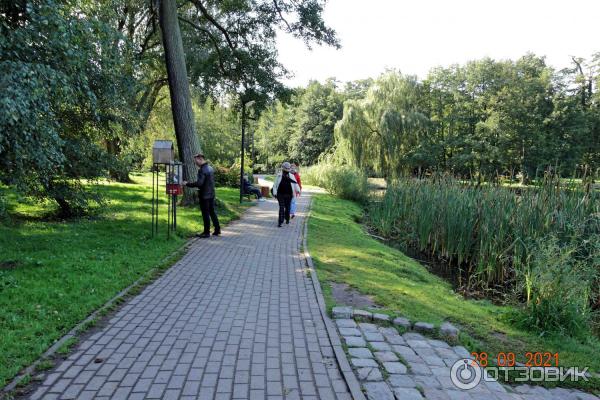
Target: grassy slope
[343,252]
[68,269]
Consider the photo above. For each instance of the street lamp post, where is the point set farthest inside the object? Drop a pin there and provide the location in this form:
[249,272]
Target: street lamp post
[244,105]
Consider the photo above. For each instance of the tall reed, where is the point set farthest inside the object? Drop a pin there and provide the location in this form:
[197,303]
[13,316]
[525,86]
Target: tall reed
[491,232]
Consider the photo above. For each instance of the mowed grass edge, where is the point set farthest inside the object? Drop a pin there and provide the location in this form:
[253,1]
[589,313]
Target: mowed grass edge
[344,253]
[61,271]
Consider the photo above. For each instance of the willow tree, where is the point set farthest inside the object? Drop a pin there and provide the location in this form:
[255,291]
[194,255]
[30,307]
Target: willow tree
[382,132]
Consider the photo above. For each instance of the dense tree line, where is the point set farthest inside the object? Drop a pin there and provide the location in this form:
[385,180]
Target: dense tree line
[302,129]
[480,120]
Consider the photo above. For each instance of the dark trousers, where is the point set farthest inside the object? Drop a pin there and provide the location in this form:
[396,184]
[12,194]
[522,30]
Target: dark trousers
[254,191]
[207,206]
[285,202]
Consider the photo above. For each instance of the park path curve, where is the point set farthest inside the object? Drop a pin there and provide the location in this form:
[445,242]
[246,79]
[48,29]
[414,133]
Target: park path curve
[236,317]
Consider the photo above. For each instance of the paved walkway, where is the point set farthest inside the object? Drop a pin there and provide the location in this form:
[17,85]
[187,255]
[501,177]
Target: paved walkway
[413,367]
[236,317]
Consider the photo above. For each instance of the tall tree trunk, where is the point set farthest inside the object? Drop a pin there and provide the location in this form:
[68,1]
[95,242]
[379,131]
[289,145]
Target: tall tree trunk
[179,88]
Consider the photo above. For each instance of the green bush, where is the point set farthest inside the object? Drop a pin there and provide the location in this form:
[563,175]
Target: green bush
[229,177]
[340,180]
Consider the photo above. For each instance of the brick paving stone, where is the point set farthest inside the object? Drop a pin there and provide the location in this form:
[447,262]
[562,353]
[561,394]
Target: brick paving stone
[585,396]
[401,380]
[396,340]
[392,336]
[458,395]
[435,394]
[237,316]
[419,368]
[414,336]
[346,323]
[438,343]
[363,362]
[394,367]
[355,341]
[385,356]
[405,351]
[425,351]
[418,343]
[378,391]
[522,388]
[360,352]
[369,374]
[368,327]
[497,387]
[342,312]
[561,393]
[373,337]
[381,346]
[349,332]
[407,394]
[446,353]
[433,361]
[462,352]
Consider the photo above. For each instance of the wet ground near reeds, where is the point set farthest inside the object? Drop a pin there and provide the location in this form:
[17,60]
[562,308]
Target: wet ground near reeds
[457,277]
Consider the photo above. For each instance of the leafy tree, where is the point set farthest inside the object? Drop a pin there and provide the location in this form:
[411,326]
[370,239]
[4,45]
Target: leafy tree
[220,127]
[274,129]
[319,108]
[136,22]
[61,86]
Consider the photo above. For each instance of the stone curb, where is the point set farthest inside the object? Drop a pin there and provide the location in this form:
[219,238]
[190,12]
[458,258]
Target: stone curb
[446,329]
[79,329]
[340,356]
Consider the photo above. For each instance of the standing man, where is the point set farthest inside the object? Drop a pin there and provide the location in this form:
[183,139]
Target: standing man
[206,193]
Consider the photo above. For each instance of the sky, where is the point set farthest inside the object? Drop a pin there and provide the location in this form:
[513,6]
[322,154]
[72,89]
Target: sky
[417,35]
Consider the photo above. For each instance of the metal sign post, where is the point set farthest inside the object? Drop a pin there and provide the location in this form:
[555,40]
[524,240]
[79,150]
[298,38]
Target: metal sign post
[162,154]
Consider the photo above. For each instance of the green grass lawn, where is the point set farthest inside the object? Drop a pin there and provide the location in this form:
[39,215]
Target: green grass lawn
[344,253]
[55,273]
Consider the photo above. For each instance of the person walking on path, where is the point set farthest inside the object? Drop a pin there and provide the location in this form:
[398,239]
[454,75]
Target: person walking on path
[206,193]
[297,194]
[284,188]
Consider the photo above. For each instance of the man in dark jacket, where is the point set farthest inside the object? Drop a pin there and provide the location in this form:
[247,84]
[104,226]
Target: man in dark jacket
[206,192]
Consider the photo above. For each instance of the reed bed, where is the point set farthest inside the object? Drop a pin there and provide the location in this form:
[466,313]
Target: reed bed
[519,241]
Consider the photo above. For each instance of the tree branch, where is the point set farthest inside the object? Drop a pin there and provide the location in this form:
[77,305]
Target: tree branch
[216,24]
[281,15]
[211,38]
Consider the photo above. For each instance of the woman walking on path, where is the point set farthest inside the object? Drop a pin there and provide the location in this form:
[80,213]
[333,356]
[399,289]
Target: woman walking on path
[296,174]
[284,188]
